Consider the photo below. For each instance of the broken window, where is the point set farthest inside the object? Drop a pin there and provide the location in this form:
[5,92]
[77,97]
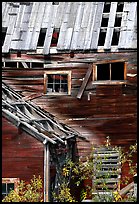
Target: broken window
[120,6]
[41,37]
[115,37]
[55,3]
[104,22]
[107,6]
[37,65]
[109,71]
[102,36]
[8,184]
[118,20]
[4,30]
[57,82]
[11,64]
[55,36]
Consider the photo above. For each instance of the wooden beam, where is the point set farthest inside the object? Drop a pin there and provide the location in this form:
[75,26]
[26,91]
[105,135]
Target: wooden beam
[82,88]
[24,64]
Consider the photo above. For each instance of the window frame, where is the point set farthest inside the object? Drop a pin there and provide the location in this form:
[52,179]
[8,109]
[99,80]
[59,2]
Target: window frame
[110,81]
[14,181]
[68,73]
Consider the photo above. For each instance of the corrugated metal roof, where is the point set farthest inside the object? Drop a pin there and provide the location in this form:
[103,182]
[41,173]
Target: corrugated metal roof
[79,24]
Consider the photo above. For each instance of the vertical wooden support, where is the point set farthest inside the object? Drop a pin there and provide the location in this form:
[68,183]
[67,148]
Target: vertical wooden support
[46,173]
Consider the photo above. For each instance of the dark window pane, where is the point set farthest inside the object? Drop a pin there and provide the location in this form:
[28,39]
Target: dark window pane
[103,72]
[107,6]
[4,30]
[104,22]
[120,6]
[55,36]
[42,37]
[102,36]
[117,71]
[10,186]
[3,188]
[115,37]
[118,22]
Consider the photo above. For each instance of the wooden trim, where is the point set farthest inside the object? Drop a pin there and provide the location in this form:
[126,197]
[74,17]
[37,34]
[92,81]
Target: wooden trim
[45,82]
[109,62]
[57,72]
[125,70]
[12,180]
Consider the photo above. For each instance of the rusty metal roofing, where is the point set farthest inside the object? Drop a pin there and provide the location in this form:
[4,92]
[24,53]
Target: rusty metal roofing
[35,121]
[79,23]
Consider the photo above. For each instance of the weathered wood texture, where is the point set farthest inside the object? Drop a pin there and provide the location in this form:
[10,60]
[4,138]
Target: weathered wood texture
[22,155]
[79,24]
[111,110]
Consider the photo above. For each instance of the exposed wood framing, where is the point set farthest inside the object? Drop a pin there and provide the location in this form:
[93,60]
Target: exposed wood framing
[79,24]
[86,78]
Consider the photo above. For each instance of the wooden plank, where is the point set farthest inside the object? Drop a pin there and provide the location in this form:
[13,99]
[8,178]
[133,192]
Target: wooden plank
[74,41]
[60,13]
[97,24]
[49,32]
[89,29]
[32,41]
[6,16]
[65,32]
[130,24]
[82,88]
[109,33]
[24,64]
[122,37]
[8,37]
[47,14]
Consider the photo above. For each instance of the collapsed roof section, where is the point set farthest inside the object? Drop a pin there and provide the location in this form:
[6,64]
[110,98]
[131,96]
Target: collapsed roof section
[35,121]
[68,26]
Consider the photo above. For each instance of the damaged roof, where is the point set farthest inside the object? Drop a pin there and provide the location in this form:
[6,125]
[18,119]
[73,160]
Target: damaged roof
[81,25]
[32,119]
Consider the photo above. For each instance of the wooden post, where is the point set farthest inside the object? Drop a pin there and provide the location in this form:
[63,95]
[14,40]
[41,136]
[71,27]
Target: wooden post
[46,173]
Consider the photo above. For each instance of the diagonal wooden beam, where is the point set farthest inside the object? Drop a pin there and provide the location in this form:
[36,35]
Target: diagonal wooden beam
[86,78]
[24,64]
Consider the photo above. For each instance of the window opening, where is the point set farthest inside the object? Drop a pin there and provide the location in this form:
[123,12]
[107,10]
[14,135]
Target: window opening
[41,37]
[9,184]
[115,37]
[104,22]
[11,64]
[117,71]
[103,71]
[57,83]
[107,6]
[102,36]
[6,188]
[4,30]
[37,64]
[110,71]
[120,6]
[118,21]
[55,36]
[55,3]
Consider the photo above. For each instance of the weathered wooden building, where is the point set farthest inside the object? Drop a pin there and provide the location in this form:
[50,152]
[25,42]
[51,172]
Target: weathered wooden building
[77,61]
